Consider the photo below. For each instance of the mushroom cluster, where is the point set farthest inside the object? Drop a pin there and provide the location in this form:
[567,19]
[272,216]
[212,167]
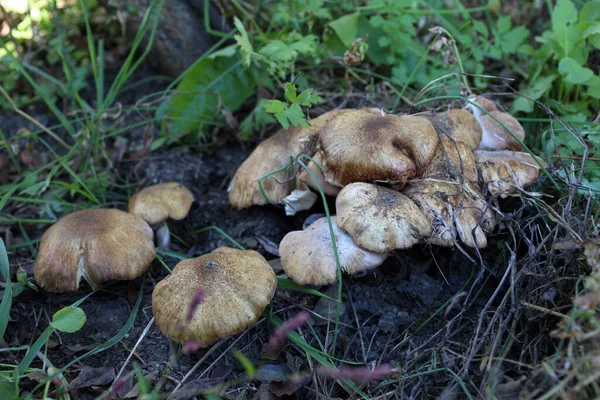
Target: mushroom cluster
[399,180]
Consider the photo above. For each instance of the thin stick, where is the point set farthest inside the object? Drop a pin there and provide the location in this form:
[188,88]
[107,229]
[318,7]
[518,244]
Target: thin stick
[142,336]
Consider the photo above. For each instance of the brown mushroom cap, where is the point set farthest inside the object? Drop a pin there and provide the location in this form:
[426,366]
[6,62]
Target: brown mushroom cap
[237,285]
[457,124]
[308,258]
[96,245]
[271,155]
[364,146]
[452,208]
[380,219]
[494,136]
[157,203]
[505,171]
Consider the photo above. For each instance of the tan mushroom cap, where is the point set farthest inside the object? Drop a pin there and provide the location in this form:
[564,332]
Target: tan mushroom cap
[494,135]
[380,219]
[271,155]
[364,146]
[506,171]
[96,245]
[157,203]
[457,124]
[308,258]
[237,285]
[452,208]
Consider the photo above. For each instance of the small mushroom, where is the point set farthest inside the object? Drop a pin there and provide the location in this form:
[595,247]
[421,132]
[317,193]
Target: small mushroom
[237,285]
[156,203]
[272,154]
[308,258]
[366,146]
[380,219]
[96,245]
[495,136]
[457,124]
[503,172]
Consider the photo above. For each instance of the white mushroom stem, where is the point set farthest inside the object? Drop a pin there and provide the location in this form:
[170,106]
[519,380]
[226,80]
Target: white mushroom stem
[162,235]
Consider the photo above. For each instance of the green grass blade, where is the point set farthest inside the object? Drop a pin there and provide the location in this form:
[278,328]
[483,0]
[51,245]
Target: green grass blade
[7,296]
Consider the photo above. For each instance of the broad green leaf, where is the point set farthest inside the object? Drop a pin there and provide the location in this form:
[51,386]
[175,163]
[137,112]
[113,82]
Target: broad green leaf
[592,34]
[566,31]
[307,45]
[243,41]
[278,51]
[511,40]
[69,319]
[593,89]
[9,387]
[540,87]
[353,26]
[209,86]
[574,72]
[307,98]
[590,11]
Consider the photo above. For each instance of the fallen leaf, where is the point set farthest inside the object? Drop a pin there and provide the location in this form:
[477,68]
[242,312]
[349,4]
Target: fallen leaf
[93,377]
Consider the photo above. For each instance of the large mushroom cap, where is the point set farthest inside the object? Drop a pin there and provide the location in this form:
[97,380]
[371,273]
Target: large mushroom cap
[494,135]
[307,256]
[453,161]
[451,208]
[270,155]
[506,171]
[457,124]
[96,245]
[380,219]
[365,146]
[157,203]
[237,286]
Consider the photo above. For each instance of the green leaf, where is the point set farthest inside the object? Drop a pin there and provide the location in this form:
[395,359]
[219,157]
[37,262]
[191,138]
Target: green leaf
[540,87]
[246,363]
[208,86]
[510,41]
[243,41]
[592,34]
[593,87]
[590,11]
[309,44]
[296,116]
[278,51]
[274,106]
[7,296]
[9,386]
[566,31]
[307,98]
[290,92]
[69,319]
[574,73]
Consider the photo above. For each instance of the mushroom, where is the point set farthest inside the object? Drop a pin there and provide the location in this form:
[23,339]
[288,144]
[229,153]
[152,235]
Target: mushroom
[366,146]
[307,256]
[380,219]
[96,245]
[450,197]
[315,166]
[503,172]
[272,154]
[495,136]
[457,124]
[237,286]
[156,203]
[453,207]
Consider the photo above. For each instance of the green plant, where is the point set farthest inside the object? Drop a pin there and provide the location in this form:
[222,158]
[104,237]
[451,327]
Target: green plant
[291,111]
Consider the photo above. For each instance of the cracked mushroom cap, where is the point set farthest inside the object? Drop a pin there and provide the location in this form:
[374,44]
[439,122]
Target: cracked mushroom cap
[494,136]
[157,203]
[452,208]
[365,146]
[308,258]
[453,161]
[457,124]
[506,171]
[237,286]
[380,219]
[271,155]
[96,245]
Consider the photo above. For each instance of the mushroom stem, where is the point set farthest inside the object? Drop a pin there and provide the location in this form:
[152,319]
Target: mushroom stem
[162,235]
